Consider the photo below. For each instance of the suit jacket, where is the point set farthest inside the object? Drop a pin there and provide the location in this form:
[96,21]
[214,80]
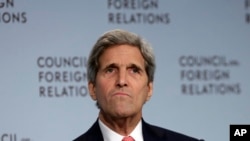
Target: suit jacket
[150,133]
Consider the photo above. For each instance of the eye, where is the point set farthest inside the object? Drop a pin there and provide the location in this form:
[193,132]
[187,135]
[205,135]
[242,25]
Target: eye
[135,70]
[110,70]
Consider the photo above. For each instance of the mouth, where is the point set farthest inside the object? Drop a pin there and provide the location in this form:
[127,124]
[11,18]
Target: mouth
[120,94]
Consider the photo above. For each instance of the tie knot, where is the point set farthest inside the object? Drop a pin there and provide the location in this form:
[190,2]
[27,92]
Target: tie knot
[128,138]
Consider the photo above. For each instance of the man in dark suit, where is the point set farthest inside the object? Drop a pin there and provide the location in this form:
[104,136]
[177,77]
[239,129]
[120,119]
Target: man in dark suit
[120,72]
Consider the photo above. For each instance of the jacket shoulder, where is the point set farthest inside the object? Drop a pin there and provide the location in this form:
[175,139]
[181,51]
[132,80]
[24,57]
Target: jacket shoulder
[152,132]
[93,134]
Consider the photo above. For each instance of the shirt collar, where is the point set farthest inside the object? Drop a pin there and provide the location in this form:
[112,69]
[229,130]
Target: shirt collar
[110,135]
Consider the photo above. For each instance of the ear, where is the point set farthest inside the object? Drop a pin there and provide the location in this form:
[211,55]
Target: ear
[91,88]
[150,90]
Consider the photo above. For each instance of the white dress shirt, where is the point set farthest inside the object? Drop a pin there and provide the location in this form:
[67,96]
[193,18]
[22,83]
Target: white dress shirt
[110,135]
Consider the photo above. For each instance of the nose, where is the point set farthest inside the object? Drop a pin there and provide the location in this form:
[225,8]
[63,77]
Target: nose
[121,79]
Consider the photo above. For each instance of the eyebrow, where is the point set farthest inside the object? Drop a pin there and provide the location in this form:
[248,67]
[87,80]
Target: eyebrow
[114,65]
[135,66]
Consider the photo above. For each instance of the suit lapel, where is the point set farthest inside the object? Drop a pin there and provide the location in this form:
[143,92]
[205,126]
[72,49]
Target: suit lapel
[150,133]
[95,133]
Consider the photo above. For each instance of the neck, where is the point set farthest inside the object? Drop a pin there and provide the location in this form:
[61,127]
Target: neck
[123,125]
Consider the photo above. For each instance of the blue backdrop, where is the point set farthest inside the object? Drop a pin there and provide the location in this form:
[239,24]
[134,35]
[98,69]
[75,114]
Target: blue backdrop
[202,55]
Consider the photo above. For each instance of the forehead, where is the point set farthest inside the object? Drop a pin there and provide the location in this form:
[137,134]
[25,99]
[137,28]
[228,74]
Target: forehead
[121,54]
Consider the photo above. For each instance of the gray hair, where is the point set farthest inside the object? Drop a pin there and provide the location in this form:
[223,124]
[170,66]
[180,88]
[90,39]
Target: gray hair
[120,37]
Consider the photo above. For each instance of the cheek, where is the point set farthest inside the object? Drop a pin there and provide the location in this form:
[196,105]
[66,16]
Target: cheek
[102,88]
[142,94]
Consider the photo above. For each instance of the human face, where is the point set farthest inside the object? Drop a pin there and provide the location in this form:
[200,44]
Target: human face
[121,86]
